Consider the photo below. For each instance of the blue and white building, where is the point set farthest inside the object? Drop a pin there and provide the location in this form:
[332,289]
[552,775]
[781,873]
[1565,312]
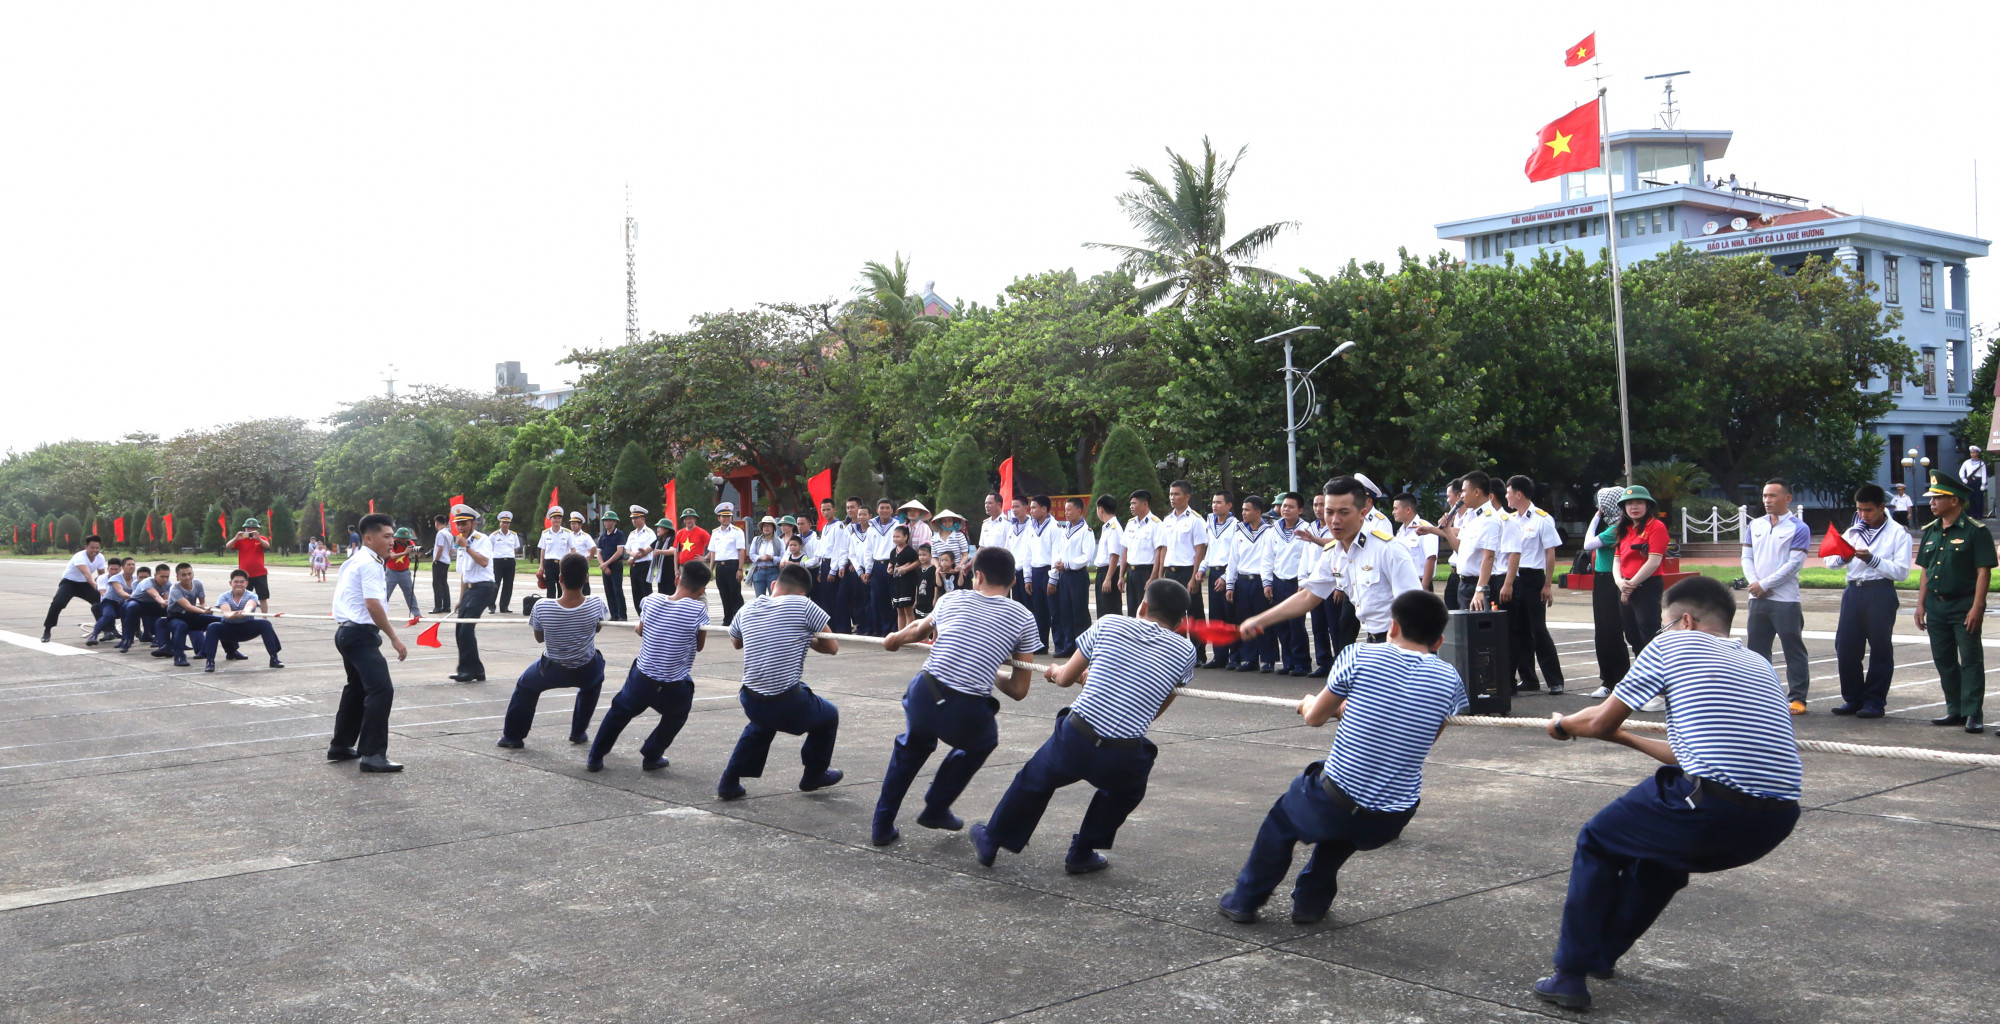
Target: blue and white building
[1667,191]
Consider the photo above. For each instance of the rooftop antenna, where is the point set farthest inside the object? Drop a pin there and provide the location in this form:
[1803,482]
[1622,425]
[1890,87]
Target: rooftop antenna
[631,272]
[1669,113]
[391,381]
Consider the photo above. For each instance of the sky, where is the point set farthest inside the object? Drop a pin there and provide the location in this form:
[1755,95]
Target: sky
[223,212]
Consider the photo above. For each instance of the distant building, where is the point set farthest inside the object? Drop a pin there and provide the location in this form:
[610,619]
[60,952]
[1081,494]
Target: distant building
[1665,195]
[934,306]
[508,377]
[550,398]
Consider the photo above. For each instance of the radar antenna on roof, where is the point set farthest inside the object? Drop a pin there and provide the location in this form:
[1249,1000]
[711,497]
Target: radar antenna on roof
[1669,113]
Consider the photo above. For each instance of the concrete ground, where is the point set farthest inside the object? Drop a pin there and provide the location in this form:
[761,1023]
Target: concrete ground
[177,849]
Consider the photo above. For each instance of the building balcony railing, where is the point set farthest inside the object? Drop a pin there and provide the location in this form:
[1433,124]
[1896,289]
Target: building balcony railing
[1954,325]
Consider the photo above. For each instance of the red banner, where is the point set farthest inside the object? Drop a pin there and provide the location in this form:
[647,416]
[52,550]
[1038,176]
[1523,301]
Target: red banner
[322,519]
[267,521]
[118,529]
[222,523]
[371,506]
[452,512]
[94,529]
[149,526]
[168,521]
[821,489]
[34,531]
[1007,483]
[671,513]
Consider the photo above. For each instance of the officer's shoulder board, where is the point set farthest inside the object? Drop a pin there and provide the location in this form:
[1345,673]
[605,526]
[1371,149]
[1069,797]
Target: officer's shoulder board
[1975,522]
[1381,535]
[1541,513]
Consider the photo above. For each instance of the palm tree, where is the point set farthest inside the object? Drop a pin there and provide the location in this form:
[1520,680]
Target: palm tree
[1184,230]
[883,300]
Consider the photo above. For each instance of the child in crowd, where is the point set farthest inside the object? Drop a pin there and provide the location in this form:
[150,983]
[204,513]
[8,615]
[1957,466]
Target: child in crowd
[903,566]
[948,577]
[929,579]
[319,559]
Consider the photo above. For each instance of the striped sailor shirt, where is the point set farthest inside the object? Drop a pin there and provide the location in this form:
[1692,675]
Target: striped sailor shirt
[976,634]
[1727,718]
[776,630]
[1135,666]
[1397,700]
[668,627]
[569,635]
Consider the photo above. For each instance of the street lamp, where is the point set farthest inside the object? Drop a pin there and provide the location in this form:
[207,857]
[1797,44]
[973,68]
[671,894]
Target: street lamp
[1294,380]
[1911,461]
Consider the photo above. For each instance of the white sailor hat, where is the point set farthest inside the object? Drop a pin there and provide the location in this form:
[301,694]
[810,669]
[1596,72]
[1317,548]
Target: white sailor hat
[1370,484]
[576,517]
[463,511]
[637,510]
[506,517]
[1972,448]
[555,511]
[727,507]
[913,504]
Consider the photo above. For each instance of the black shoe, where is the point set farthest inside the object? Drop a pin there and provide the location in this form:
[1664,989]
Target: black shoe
[210,666]
[983,846]
[943,821]
[510,743]
[1869,711]
[1243,668]
[378,763]
[1973,724]
[1302,917]
[1320,673]
[457,678]
[1527,688]
[341,753]
[1949,720]
[822,780]
[1555,691]
[157,652]
[1849,708]
[652,764]
[1085,865]
[593,764]
[1568,993]
[1268,669]
[1302,673]
[1239,916]
[730,789]
[45,635]
[884,838]
[180,662]
[235,656]
[577,737]
[90,641]
[275,663]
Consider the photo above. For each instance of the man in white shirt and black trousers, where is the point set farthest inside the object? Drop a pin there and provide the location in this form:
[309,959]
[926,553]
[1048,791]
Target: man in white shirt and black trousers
[361,725]
[1883,554]
[726,545]
[1250,581]
[1526,591]
[506,556]
[443,552]
[1184,534]
[774,633]
[475,593]
[1221,526]
[1075,547]
[1130,669]
[79,580]
[951,698]
[640,543]
[1366,567]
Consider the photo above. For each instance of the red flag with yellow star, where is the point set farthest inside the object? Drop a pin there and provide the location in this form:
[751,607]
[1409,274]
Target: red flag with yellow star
[1581,52]
[1565,145]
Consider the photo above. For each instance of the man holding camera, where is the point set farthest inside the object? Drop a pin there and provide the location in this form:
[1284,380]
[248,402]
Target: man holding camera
[250,543]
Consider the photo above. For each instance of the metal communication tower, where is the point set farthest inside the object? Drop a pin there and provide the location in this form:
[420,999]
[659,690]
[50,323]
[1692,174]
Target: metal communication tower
[631,272]
[1670,113]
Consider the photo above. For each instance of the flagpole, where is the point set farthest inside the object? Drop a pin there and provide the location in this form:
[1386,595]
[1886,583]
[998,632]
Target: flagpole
[1617,302]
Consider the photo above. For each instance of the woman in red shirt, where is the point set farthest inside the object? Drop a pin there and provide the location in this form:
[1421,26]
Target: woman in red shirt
[1642,544]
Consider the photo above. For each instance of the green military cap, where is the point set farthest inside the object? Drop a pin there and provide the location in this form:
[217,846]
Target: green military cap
[664,524]
[405,533]
[789,521]
[1943,483]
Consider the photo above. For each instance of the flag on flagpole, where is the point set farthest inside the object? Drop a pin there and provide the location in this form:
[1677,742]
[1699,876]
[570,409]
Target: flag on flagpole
[1007,482]
[222,523]
[168,521]
[322,518]
[118,529]
[1583,51]
[267,519]
[820,487]
[149,526]
[452,512]
[1565,145]
[94,528]
[429,637]
[670,491]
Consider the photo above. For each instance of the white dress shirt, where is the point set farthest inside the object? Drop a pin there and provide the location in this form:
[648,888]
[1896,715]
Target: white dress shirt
[1292,557]
[997,531]
[1419,546]
[726,543]
[506,543]
[1142,539]
[1973,473]
[639,547]
[1478,534]
[1532,534]
[470,571]
[1036,544]
[1221,540]
[1183,531]
[1890,548]
[1110,541]
[361,579]
[1074,547]
[1371,573]
[1252,552]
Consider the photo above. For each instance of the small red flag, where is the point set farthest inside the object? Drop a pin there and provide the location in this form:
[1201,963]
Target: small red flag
[149,527]
[118,529]
[1213,632]
[33,531]
[1833,545]
[820,487]
[168,521]
[93,527]
[671,491]
[267,520]
[322,518]
[222,522]
[1007,481]
[429,637]
[456,501]
[371,506]
[1565,145]
[1581,52]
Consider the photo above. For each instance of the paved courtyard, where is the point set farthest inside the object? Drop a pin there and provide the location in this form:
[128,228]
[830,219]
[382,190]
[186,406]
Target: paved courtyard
[174,847]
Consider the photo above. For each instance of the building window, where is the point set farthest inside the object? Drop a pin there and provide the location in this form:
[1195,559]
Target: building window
[1896,471]
[1927,284]
[1930,372]
[1892,285]
[1485,246]
[1657,218]
[1624,225]
[1670,218]
[1896,381]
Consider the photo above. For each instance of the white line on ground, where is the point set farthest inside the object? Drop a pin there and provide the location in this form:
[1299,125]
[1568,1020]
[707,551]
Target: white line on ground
[132,883]
[34,643]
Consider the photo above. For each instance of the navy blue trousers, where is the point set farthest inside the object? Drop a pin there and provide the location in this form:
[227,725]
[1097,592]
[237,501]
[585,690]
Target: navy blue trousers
[881,601]
[1289,636]
[1068,757]
[1040,602]
[1867,616]
[671,699]
[179,627]
[1248,599]
[145,615]
[962,720]
[1322,636]
[1639,850]
[1305,814]
[477,597]
[797,711]
[229,634]
[1072,611]
[543,675]
[850,601]
[109,611]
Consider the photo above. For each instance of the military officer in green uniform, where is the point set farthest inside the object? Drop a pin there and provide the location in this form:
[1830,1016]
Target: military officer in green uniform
[1957,558]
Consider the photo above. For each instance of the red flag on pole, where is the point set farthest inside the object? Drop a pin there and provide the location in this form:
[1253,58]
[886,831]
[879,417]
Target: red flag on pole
[322,518]
[17,533]
[555,498]
[670,489]
[222,522]
[267,519]
[1007,482]
[1565,145]
[452,512]
[149,526]
[821,489]
[118,529]
[168,521]
[1581,52]
[34,529]
[1833,545]
[94,529]
[429,637]
[371,506]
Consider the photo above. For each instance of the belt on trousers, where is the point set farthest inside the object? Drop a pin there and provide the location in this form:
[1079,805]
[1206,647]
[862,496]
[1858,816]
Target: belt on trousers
[1082,726]
[1705,788]
[1251,576]
[1341,799]
[1374,638]
[940,692]
[781,694]
[1853,584]
[660,684]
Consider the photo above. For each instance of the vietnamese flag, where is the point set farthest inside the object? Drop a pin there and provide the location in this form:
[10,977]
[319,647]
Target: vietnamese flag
[1833,545]
[456,500]
[1581,52]
[1007,482]
[821,489]
[168,521]
[118,529]
[669,491]
[1565,145]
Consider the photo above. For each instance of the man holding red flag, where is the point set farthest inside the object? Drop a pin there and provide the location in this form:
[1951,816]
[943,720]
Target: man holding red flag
[1877,554]
[1566,145]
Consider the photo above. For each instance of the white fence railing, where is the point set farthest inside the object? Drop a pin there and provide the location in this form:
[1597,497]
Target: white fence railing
[1715,524]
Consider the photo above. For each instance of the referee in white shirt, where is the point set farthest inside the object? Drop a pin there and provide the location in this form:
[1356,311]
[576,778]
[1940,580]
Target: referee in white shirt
[951,697]
[506,558]
[1883,554]
[567,629]
[443,551]
[1130,669]
[1729,793]
[1392,700]
[1184,534]
[640,543]
[1368,569]
[475,593]
[361,725]
[774,632]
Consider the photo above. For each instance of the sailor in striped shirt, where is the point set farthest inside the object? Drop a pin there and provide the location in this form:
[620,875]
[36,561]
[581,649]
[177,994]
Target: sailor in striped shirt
[1729,793]
[1134,666]
[951,698]
[1392,699]
[661,677]
[774,632]
[567,629]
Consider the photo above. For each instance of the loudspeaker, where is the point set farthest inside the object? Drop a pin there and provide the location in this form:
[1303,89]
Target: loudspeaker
[528,604]
[1475,643]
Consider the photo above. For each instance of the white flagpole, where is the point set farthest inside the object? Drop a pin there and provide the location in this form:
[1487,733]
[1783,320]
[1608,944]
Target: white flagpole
[1617,302]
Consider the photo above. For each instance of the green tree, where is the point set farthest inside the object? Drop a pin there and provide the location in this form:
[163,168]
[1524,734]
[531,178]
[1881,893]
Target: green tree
[569,494]
[1123,466]
[856,478]
[1038,469]
[284,528]
[1184,230]
[1977,426]
[211,528]
[692,489]
[1670,483]
[241,462]
[633,481]
[68,532]
[886,306]
[962,485]
[528,497]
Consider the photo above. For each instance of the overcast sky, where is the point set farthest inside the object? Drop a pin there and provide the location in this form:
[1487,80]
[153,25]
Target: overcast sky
[228,212]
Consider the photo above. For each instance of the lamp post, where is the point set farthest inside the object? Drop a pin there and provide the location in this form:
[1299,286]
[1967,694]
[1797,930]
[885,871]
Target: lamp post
[1911,461]
[1295,379]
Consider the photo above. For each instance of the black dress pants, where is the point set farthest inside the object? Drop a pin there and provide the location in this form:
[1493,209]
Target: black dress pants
[440,588]
[1607,621]
[362,722]
[1528,630]
[67,591]
[503,574]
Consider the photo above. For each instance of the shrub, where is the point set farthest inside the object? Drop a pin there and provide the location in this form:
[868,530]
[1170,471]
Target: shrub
[1124,466]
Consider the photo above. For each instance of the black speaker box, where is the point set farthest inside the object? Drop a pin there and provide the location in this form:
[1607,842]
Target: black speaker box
[1475,643]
